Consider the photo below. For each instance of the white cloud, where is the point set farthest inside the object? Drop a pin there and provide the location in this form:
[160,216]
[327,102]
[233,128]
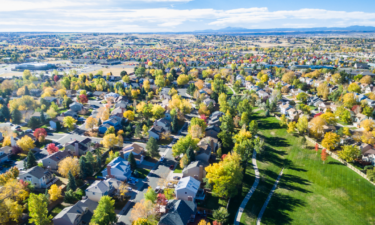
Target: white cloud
[109,16]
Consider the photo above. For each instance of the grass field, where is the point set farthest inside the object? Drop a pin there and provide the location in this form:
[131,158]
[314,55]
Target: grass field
[309,191]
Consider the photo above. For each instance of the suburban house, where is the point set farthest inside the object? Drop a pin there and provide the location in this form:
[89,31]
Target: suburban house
[167,115]
[102,188]
[137,150]
[369,156]
[76,107]
[212,131]
[38,177]
[70,113]
[208,101]
[54,159]
[179,212]
[155,132]
[113,121]
[166,124]
[118,168]
[206,146]
[188,189]
[263,95]
[79,148]
[195,169]
[284,107]
[111,95]
[4,153]
[35,92]
[77,214]
[214,119]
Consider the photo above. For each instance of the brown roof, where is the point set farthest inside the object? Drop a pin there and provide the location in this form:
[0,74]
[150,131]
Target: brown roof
[133,148]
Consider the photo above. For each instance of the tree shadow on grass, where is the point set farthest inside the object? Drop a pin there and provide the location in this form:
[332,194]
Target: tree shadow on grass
[275,141]
[277,211]
[336,163]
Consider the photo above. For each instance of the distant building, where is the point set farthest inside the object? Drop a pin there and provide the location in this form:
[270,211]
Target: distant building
[35,66]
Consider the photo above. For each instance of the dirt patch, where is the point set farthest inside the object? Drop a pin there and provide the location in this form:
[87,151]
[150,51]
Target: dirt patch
[115,71]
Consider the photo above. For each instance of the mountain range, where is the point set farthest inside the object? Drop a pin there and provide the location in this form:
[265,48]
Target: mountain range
[314,29]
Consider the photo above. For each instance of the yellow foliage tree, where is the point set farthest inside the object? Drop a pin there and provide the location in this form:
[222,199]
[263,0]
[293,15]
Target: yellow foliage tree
[10,211]
[26,143]
[367,125]
[366,80]
[110,140]
[291,127]
[6,141]
[349,100]
[323,90]
[91,122]
[142,210]
[329,117]
[316,126]
[199,84]
[157,111]
[69,122]
[69,164]
[130,115]
[182,79]
[51,112]
[54,192]
[330,140]
[354,87]
[288,77]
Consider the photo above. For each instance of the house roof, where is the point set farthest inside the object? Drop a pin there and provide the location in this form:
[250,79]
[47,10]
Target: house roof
[36,171]
[102,186]
[157,129]
[135,148]
[70,214]
[6,149]
[179,212]
[58,156]
[190,183]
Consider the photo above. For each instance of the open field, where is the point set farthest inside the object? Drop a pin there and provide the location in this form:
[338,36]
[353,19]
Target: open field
[115,70]
[309,191]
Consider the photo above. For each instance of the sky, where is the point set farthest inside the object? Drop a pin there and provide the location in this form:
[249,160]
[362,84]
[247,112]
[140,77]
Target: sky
[122,16]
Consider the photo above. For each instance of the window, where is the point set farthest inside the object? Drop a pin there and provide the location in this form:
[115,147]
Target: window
[185,193]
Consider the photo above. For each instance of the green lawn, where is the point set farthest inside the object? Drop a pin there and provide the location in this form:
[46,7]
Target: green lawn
[309,191]
[178,169]
[56,210]
[142,173]
[229,91]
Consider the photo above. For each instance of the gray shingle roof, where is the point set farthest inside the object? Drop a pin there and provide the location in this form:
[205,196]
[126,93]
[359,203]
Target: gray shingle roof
[179,212]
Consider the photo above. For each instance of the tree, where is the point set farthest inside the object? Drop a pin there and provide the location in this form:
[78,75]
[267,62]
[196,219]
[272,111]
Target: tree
[371,174]
[54,192]
[91,122]
[16,116]
[110,130]
[184,161]
[158,111]
[150,195]
[323,90]
[183,144]
[31,160]
[291,127]
[330,140]
[253,127]
[366,80]
[33,122]
[123,190]
[367,124]
[142,209]
[130,115]
[225,175]
[10,211]
[38,209]
[110,140]
[283,120]
[69,122]
[104,214]
[132,162]
[354,87]
[4,114]
[52,148]
[141,221]
[302,124]
[367,111]
[40,133]
[220,215]
[51,112]
[182,79]
[16,150]
[349,100]
[71,182]
[83,168]
[316,126]
[349,153]
[329,117]
[152,147]
[302,97]
[324,155]
[190,154]
[83,99]
[69,164]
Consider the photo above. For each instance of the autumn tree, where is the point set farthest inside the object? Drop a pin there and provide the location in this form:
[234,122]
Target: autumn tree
[54,192]
[183,144]
[91,122]
[68,164]
[288,77]
[104,214]
[110,140]
[349,153]
[225,175]
[354,87]
[10,210]
[316,126]
[366,80]
[40,134]
[130,115]
[51,112]
[150,195]
[26,143]
[324,155]
[323,90]
[283,121]
[83,99]
[38,209]
[142,209]
[302,124]
[367,124]
[220,215]
[69,122]
[158,111]
[330,140]
[182,79]
[329,117]
[291,127]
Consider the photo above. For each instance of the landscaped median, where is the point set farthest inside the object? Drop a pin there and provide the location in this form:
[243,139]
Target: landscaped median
[309,191]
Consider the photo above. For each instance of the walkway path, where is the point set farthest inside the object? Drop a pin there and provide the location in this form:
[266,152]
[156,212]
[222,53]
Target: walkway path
[269,198]
[250,193]
[234,93]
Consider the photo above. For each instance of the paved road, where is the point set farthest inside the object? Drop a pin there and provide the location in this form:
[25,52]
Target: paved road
[251,192]
[161,170]
[269,198]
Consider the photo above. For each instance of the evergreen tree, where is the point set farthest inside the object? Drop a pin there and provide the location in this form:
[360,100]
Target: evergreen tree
[99,122]
[16,116]
[33,122]
[174,124]
[132,162]
[42,117]
[71,183]
[82,168]
[137,132]
[31,160]
[58,126]
[152,147]
[98,163]
[27,92]
[190,154]
[90,163]
[219,153]
[4,113]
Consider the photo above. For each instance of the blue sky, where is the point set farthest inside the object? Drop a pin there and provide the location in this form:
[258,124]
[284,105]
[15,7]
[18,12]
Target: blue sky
[179,15]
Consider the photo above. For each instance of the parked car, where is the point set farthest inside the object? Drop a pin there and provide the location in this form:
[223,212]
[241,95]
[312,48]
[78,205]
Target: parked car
[17,127]
[29,131]
[171,167]
[176,178]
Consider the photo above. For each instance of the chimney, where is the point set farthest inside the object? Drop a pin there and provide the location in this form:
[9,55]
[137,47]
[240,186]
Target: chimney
[212,145]
[76,150]
[200,177]
[109,175]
